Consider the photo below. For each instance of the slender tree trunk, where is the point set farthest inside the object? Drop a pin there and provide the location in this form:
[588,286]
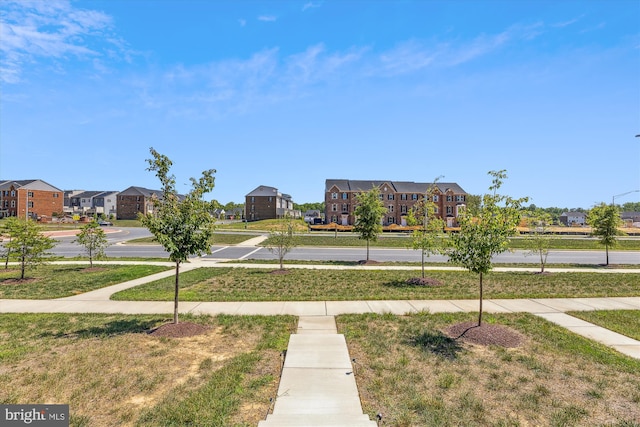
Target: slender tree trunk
[175,296]
[541,263]
[23,262]
[480,313]
[367,249]
[423,264]
[606,249]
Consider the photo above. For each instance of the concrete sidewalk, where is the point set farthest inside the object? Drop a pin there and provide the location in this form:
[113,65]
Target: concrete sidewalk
[317,385]
[549,308]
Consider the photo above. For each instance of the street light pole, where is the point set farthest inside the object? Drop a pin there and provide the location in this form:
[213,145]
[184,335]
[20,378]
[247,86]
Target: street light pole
[613,199]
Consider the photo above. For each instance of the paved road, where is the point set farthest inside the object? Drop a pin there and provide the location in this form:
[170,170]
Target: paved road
[116,237]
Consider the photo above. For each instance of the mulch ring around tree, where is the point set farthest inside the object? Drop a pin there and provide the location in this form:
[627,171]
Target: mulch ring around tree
[423,281]
[279,271]
[179,330]
[486,334]
[368,262]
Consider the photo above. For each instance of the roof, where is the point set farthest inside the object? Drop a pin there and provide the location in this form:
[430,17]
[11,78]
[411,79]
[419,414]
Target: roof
[140,191]
[29,184]
[264,190]
[398,186]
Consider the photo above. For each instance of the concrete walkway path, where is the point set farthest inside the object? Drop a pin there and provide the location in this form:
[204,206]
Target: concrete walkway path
[317,386]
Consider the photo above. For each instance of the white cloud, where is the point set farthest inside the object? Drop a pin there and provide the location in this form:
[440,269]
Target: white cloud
[311,5]
[35,30]
[267,18]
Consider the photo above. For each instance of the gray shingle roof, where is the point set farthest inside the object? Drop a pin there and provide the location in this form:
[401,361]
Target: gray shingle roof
[398,186]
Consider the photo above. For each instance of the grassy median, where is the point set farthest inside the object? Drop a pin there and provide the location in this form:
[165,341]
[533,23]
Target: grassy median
[57,281]
[240,284]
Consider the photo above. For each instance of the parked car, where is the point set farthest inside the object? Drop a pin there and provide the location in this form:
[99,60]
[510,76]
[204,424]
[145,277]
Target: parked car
[104,223]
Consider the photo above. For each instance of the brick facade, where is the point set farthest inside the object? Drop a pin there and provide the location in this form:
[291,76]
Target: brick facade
[398,198]
[134,201]
[30,198]
[268,203]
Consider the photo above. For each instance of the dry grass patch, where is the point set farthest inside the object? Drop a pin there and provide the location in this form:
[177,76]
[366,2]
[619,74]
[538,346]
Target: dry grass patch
[410,370]
[114,379]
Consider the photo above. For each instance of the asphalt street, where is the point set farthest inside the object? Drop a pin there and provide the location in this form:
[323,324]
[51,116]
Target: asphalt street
[117,248]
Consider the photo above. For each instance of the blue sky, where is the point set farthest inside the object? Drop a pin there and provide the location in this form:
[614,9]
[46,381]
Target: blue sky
[291,93]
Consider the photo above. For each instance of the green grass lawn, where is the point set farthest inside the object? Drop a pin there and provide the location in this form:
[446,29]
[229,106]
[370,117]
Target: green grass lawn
[239,284]
[625,322]
[57,281]
[408,369]
[112,372]
[218,239]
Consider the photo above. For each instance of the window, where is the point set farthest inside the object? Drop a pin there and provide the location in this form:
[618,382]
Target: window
[30,204]
[137,199]
[414,197]
[334,196]
[13,203]
[449,198]
[253,207]
[381,196]
[390,208]
[334,218]
[345,207]
[137,206]
[390,197]
[459,198]
[403,197]
[29,193]
[56,195]
[449,210]
[436,198]
[334,207]
[270,199]
[403,209]
[391,220]
[13,193]
[436,210]
[253,199]
[345,196]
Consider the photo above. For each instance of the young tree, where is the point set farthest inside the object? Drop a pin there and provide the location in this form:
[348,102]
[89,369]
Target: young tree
[604,221]
[428,238]
[28,244]
[182,224]
[281,239]
[9,225]
[486,233]
[94,240]
[368,212]
[538,240]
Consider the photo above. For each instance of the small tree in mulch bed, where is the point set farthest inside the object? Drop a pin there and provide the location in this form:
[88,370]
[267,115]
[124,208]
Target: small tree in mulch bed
[605,222]
[368,213]
[93,239]
[182,224]
[429,238]
[28,244]
[485,233]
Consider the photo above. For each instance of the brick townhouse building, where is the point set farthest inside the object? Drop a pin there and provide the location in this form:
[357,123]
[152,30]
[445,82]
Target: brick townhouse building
[135,200]
[268,203]
[31,198]
[398,198]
